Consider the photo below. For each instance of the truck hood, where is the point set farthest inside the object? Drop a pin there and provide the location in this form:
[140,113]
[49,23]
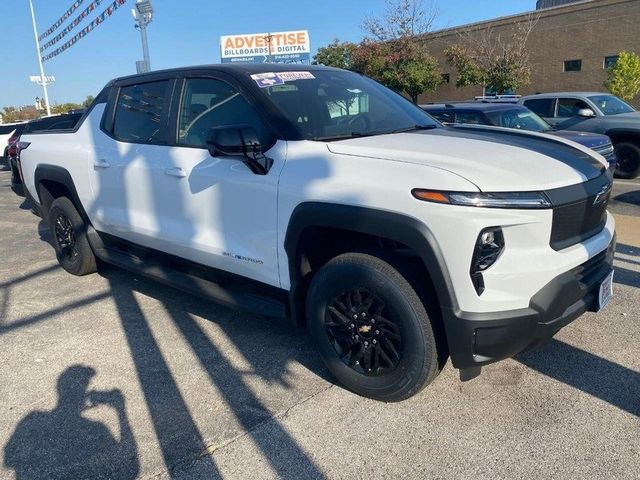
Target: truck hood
[589,140]
[494,159]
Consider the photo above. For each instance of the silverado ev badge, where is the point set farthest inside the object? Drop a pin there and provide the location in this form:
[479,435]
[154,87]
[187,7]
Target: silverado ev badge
[602,194]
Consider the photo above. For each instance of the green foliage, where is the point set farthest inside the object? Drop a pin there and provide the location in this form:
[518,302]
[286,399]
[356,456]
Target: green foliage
[498,60]
[13,114]
[624,77]
[88,101]
[64,108]
[402,65]
[337,54]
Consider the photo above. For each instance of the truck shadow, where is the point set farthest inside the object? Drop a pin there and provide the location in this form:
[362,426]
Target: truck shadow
[268,345]
[601,378]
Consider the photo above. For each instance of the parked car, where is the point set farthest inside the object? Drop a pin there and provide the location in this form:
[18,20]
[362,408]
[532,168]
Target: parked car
[8,132]
[317,194]
[519,117]
[54,122]
[594,112]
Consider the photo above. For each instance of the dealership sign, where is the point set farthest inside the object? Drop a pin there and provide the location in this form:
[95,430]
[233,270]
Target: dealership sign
[277,47]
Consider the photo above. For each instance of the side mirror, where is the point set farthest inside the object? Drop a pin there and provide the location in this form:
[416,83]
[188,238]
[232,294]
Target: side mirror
[586,113]
[239,141]
[234,140]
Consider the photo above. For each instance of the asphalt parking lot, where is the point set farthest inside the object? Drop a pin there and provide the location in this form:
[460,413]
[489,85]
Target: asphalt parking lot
[115,376]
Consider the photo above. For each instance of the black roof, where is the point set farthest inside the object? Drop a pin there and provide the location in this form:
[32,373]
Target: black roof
[477,106]
[232,68]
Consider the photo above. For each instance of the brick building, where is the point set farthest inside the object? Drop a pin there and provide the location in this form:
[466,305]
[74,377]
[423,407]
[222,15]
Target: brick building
[570,46]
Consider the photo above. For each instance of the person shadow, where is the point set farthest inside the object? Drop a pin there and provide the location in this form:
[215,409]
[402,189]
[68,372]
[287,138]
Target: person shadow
[62,443]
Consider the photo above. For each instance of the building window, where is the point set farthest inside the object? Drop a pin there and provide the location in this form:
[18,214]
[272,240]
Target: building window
[572,65]
[610,61]
[446,78]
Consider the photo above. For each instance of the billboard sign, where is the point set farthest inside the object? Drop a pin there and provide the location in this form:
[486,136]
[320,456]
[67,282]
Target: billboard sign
[275,47]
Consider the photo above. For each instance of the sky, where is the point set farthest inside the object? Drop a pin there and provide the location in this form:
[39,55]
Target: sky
[183,32]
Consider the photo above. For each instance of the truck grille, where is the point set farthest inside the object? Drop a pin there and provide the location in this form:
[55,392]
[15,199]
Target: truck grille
[577,219]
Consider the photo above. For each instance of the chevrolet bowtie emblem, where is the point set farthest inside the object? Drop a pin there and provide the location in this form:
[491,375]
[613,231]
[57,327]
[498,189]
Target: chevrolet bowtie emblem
[602,195]
[364,329]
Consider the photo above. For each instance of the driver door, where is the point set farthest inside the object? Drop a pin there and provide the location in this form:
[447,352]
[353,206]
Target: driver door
[217,212]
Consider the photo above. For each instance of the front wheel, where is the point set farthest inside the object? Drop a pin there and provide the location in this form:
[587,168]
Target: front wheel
[70,238]
[628,156]
[371,328]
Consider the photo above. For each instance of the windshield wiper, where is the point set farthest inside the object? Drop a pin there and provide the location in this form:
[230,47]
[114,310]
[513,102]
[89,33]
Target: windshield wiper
[345,136]
[414,128]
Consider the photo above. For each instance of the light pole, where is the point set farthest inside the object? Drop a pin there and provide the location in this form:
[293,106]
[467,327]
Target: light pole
[143,14]
[44,79]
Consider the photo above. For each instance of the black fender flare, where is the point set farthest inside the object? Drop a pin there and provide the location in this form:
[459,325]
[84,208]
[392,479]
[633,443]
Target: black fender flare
[57,174]
[389,225]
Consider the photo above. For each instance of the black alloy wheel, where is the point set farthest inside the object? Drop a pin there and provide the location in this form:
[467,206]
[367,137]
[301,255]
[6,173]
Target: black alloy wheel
[363,332]
[65,237]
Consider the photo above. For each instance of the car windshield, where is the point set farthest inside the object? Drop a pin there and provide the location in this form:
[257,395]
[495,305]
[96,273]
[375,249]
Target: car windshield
[611,105]
[519,118]
[327,105]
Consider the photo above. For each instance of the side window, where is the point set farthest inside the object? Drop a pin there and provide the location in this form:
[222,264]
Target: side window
[139,110]
[208,103]
[541,106]
[569,107]
[444,117]
[473,118]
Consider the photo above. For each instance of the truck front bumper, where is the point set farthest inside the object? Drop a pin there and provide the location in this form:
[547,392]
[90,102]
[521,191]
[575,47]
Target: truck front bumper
[477,339]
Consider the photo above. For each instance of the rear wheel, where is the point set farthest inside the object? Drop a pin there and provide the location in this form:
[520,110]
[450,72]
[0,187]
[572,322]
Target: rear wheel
[70,239]
[371,329]
[628,156]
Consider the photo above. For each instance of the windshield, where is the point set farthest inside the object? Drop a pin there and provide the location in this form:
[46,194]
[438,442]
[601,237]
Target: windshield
[519,118]
[329,105]
[611,105]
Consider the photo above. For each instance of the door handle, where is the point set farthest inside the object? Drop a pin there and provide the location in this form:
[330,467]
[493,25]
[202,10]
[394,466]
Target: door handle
[101,163]
[176,172]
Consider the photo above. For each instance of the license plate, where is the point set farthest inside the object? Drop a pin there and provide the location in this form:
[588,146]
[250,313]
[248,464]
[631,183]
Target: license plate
[606,292]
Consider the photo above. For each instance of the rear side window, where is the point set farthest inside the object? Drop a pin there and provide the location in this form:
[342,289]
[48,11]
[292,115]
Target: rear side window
[542,106]
[473,118]
[139,113]
[4,129]
[444,117]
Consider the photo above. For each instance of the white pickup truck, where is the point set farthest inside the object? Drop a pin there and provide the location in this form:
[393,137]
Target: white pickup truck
[319,195]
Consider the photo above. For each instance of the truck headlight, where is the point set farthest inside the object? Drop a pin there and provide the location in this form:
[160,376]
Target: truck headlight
[489,246]
[519,200]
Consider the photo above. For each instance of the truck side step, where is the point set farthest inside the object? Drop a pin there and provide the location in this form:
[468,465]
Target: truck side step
[232,294]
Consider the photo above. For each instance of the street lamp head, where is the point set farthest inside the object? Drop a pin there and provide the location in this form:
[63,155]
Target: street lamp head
[144,7]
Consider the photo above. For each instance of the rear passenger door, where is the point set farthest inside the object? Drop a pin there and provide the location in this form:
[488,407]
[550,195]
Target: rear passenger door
[125,155]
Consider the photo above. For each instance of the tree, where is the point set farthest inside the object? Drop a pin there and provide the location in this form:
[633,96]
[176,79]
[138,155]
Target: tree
[406,67]
[337,54]
[401,19]
[88,101]
[624,77]
[393,52]
[64,108]
[495,60]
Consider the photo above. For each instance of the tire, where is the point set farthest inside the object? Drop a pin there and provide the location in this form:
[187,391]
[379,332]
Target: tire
[69,238]
[390,313]
[628,155]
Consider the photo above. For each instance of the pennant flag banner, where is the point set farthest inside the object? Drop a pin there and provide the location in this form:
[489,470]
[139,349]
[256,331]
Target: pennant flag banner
[66,15]
[84,14]
[82,33]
